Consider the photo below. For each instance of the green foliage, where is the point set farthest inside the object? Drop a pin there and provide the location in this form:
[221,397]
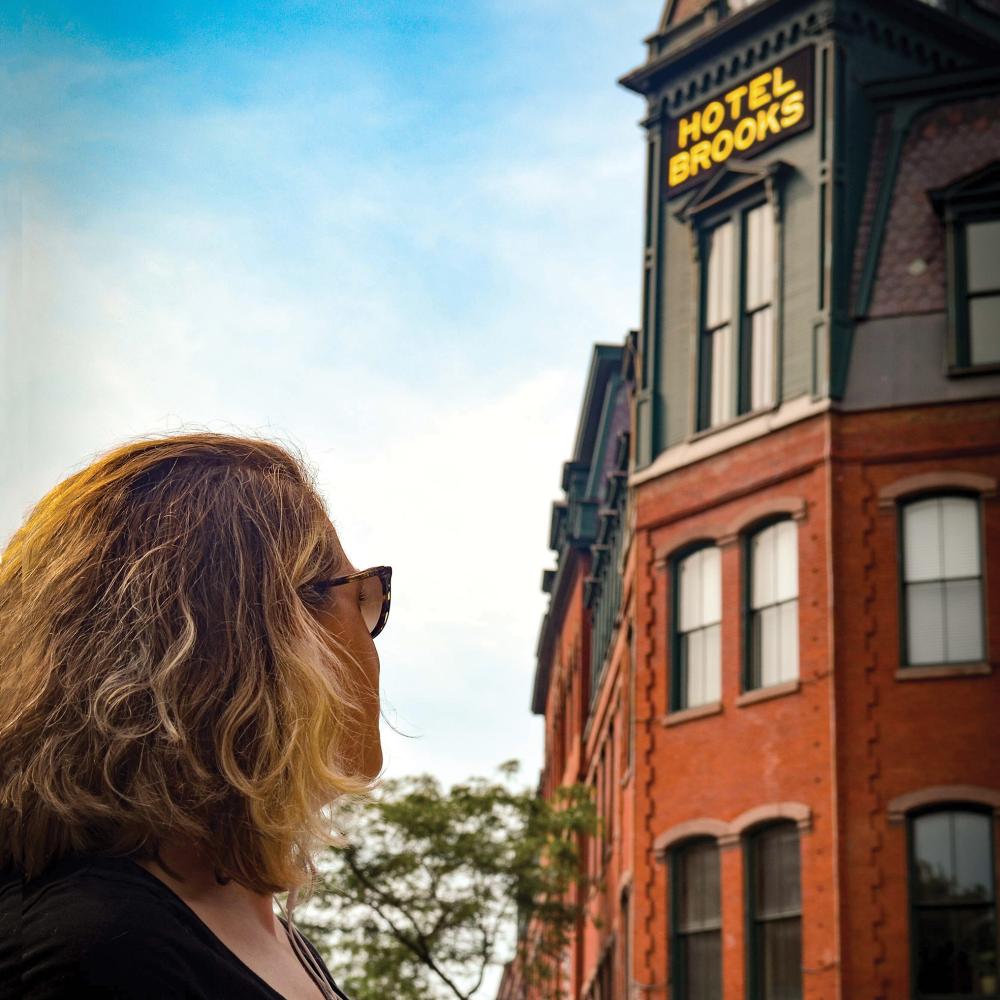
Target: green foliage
[423,900]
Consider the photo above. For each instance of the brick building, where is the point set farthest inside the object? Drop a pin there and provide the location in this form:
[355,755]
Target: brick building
[773,653]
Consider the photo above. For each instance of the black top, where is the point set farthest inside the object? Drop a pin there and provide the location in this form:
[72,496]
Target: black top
[106,928]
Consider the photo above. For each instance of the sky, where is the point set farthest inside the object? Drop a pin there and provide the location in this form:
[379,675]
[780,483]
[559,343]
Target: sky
[387,233]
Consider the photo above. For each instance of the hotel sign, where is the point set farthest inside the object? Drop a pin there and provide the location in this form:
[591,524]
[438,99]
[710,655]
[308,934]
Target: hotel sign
[763,110]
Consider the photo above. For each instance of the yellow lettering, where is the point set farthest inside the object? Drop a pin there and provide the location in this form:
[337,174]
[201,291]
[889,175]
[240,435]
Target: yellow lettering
[701,157]
[759,95]
[792,108]
[735,100]
[745,133]
[712,117]
[679,169]
[767,121]
[781,86]
[722,145]
[689,128]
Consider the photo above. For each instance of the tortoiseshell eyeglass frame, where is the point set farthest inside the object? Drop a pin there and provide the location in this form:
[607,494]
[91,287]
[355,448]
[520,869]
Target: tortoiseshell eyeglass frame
[384,573]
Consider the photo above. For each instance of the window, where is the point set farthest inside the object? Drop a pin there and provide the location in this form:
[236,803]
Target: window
[970,209]
[697,921]
[626,936]
[698,614]
[953,904]
[773,612]
[737,355]
[942,581]
[982,291]
[775,911]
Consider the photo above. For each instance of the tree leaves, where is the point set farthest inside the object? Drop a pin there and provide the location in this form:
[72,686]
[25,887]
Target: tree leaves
[424,898]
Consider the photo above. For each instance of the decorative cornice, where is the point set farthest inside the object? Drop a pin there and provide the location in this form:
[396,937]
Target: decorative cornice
[792,506]
[942,479]
[690,830]
[730,834]
[942,795]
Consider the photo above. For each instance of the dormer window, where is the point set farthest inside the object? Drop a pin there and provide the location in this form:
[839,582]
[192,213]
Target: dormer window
[970,209]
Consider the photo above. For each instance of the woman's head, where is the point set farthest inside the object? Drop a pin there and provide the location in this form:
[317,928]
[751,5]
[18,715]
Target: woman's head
[169,669]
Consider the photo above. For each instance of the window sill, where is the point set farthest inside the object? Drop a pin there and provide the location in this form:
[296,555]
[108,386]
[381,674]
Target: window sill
[767,693]
[690,714]
[992,368]
[935,671]
[741,418]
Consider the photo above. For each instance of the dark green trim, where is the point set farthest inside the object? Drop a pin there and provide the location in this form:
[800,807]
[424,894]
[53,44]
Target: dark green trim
[901,120]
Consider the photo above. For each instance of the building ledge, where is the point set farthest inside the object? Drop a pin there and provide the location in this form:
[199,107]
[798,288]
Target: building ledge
[937,671]
[767,693]
[719,439]
[690,714]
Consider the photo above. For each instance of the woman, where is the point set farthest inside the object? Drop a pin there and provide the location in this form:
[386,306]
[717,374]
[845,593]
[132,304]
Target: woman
[188,681]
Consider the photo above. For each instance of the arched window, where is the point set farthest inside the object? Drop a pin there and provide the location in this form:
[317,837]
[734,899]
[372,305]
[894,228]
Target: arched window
[774,911]
[697,617]
[953,903]
[942,581]
[696,910]
[773,605]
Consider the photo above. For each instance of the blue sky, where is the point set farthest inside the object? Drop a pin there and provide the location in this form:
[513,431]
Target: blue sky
[387,232]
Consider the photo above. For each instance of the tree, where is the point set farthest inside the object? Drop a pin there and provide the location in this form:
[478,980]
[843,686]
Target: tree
[424,897]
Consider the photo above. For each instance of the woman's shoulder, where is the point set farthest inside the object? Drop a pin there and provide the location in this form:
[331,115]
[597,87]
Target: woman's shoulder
[93,926]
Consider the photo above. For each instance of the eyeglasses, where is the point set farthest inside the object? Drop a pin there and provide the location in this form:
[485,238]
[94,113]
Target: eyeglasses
[373,595]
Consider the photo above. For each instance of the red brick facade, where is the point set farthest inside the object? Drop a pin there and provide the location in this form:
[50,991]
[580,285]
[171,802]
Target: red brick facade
[844,755]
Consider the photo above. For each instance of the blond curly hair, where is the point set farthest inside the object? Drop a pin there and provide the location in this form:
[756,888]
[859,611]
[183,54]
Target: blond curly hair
[162,674]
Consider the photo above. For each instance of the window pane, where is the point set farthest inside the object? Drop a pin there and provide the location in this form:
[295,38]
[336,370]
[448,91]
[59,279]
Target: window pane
[702,958]
[787,560]
[719,293]
[956,951]
[788,615]
[762,358]
[975,950]
[689,575]
[935,951]
[933,857]
[973,877]
[759,256]
[694,668]
[925,623]
[777,871]
[698,885]
[781,959]
[983,257]
[723,397]
[711,587]
[984,329]
[765,646]
[960,530]
[963,621]
[922,541]
[762,559]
